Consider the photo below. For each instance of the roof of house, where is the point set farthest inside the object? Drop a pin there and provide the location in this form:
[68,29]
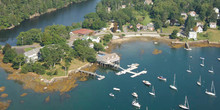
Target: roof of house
[212,23]
[150,25]
[83,31]
[32,52]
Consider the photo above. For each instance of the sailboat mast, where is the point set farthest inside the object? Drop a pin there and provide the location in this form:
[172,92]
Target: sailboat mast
[174,80]
[200,79]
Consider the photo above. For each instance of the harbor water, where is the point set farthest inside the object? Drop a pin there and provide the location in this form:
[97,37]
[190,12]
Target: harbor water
[94,94]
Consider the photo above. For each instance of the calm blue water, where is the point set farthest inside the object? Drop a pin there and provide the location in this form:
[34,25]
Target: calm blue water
[93,94]
[65,16]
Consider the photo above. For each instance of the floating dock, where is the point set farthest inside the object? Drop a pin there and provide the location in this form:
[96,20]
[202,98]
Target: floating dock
[129,70]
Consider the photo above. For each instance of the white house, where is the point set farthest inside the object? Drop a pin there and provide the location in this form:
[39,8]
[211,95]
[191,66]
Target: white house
[199,24]
[150,26]
[192,35]
[184,15]
[91,45]
[32,55]
[216,10]
[123,6]
[212,25]
[149,2]
[92,38]
[198,29]
[192,13]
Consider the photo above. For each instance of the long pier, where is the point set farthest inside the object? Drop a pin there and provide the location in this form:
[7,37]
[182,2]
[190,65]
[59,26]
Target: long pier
[100,77]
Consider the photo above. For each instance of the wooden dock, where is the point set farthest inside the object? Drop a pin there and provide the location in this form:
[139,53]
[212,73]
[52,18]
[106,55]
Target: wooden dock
[100,77]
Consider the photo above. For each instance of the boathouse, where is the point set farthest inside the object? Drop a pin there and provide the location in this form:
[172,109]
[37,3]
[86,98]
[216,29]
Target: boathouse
[106,59]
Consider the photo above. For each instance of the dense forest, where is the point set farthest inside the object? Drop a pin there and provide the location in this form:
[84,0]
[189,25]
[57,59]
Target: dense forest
[13,12]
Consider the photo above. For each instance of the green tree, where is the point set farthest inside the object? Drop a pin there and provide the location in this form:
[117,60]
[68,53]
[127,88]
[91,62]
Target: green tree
[174,34]
[205,27]
[9,55]
[18,61]
[6,47]
[98,47]
[189,24]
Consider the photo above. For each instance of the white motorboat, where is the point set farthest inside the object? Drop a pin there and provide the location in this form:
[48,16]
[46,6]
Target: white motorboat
[116,89]
[202,64]
[146,82]
[111,94]
[152,92]
[212,92]
[155,42]
[136,104]
[174,86]
[218,59]
[186,105]
[190,57]
[135,94]
[199,83]
[212,70]
[189,70]
[161,78]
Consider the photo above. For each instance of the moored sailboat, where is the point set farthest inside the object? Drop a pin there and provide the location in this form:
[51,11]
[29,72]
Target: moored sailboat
[152,92]
[174,86]
[212,70]
[212,92]
[202,64]
[136,104]
[186,104]
[199,83]
[189,71]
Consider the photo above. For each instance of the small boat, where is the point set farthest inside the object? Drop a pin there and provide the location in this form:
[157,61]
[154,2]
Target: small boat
[186,105]
[146,82]
[111,94]
[173,86]
[189,71]
[190,57]
[152,92]
[218,59]
[202,58]
[146,108]
[155,42]
[212,70]
[161,78]
[199,82]
[136,104]
[202,64]
[212,92]
[135,94]
[116,89]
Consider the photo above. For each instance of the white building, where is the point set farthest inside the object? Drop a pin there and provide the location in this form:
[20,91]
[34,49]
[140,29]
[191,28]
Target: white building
[216,10]
[184,15]
[92,38]
[192,35]
[192,13]
[123,6]
[32,55]
[212,25]
[199,24]
[198,29]
[91,45]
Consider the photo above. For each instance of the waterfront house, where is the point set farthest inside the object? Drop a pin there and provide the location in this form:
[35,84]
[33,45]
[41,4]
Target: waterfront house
[192,35]
[123,6]
[150,26]
[199,24]
[198,29]
[82,32]
[139,26]
[192,13]
[32,55]
[91,45]
[184,16]
[216,10]
[92,38]
[212,25]
[149,2]
[106,58]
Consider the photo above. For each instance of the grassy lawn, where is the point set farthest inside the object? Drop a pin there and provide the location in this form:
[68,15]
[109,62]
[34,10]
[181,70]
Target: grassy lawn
[142,17]
[212,35]
[28,49]
[60,70]
[170,29]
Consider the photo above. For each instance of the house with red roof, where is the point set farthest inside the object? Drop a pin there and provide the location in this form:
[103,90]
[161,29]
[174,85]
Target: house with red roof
[82,32]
